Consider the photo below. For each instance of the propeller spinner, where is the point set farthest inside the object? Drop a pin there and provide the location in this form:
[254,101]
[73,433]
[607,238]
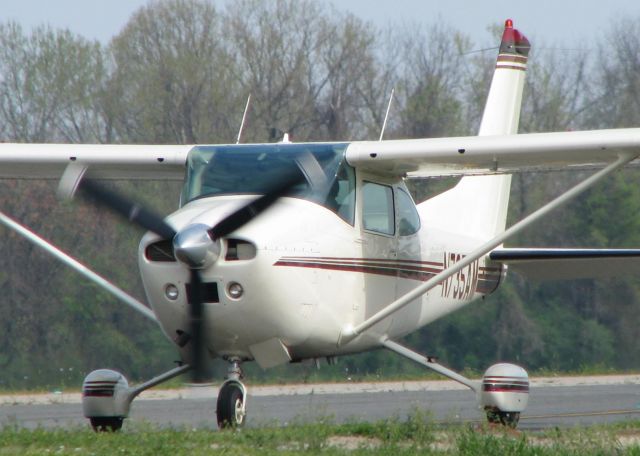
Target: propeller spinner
[194,246]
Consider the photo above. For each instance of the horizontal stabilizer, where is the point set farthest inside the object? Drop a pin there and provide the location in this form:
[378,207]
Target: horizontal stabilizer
[563,264]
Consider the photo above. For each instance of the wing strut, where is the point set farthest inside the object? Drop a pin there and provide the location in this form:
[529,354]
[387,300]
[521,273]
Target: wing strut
[430,363]
[73,263]
[351,332]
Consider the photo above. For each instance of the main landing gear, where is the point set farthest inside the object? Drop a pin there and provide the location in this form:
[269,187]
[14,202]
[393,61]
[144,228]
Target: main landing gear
[507,419]
[107,397]
[502,394]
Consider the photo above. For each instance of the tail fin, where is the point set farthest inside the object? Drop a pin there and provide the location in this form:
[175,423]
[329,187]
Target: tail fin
[477,206]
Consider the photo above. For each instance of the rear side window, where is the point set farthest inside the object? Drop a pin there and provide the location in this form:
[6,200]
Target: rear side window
[377,210]
[408,218]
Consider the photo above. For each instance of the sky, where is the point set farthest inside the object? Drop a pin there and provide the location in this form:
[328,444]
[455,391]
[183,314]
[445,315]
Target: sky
[553,22]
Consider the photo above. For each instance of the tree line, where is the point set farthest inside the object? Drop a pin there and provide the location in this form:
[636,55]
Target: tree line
[180,71]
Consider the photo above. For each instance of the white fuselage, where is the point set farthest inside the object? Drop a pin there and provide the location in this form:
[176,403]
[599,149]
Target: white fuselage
[312,275]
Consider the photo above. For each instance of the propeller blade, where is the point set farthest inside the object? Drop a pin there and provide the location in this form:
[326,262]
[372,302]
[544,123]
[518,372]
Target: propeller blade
[149,220]
[133,212]
[251,210]
[196,315]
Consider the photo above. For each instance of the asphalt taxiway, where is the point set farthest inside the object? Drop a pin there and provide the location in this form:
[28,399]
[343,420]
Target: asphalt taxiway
[553,402]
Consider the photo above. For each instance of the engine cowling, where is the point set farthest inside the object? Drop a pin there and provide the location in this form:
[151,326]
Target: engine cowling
[105,394]
[505,388]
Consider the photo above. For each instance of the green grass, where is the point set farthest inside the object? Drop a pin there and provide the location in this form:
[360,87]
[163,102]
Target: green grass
[417,435]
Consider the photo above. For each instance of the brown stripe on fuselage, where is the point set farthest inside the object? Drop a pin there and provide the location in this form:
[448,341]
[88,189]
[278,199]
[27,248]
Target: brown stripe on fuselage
[360,259]
[366,264]
[410,273]
[488,278]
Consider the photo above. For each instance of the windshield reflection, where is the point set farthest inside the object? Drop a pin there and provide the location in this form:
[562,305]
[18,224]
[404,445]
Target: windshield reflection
[253,169]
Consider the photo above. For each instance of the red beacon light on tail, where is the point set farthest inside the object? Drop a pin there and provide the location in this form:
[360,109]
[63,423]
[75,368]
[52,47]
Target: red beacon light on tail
[513,42]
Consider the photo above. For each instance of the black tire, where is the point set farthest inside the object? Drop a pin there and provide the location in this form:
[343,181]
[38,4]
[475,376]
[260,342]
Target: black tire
[106,424]
[229,408]
[507,419]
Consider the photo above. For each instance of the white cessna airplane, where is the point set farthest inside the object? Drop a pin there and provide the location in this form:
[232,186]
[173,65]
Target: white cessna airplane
[286,252]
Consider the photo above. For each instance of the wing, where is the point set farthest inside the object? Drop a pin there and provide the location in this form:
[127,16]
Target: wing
[494,154]
[105,161]
[562,264]
[469,155]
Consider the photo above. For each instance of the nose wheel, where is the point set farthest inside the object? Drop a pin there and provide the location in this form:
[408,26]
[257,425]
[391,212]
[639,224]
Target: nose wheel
[231,410]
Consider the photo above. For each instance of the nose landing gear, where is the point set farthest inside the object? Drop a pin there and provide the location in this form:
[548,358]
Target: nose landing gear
[232,398]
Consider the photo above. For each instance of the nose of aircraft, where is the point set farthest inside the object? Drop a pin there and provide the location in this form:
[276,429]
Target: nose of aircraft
[194,247]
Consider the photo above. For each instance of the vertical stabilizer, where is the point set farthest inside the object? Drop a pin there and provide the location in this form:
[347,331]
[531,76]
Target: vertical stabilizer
[477,206]
[502,110]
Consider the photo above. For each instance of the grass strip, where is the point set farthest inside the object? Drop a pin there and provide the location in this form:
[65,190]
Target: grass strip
[417,435]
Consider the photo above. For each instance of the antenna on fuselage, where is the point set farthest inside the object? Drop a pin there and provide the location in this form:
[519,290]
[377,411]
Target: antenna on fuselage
[244,116]
[386,116]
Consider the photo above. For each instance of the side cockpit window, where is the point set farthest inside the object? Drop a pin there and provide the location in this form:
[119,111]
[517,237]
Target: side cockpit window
[408,218]
[341,197]
[378,210]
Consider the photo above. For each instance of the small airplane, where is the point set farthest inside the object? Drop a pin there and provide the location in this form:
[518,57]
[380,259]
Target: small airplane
[285,252]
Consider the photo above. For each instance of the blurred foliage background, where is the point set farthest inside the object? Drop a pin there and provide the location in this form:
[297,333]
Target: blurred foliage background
[180,71]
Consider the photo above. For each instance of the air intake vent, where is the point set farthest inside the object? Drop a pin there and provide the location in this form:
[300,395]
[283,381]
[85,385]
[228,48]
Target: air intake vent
[160,251]
[237,249]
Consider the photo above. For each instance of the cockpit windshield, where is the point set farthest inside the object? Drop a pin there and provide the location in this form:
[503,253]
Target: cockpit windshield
[253,169]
